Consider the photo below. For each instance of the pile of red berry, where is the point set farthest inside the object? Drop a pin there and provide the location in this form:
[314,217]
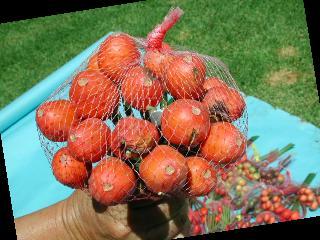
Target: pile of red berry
[272,202]
[308,198]
[253,193]
[272,177]
[266,217]
[198,219]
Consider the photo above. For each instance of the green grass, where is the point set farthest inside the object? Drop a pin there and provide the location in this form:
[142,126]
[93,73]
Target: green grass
[246,35]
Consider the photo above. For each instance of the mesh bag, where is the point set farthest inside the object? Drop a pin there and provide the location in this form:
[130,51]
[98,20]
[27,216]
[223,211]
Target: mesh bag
[140,119]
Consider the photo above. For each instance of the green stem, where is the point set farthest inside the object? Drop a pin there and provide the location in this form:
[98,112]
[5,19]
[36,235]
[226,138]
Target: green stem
[286,149]
[278,152]
[266,156]
[309,179]
[251,140]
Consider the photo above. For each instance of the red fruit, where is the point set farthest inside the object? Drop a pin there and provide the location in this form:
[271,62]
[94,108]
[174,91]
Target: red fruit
[308,191]
[314,206]
[156,61]
[204,210]
[276,199]
[224,103]
[133,137]
[224,144]
[263,206]
[185,122]
[302,190]
[94,95]
[93,62]
[259,218]
[112,181]
[185,76]
[214,82]
[116,55]
[198,213]
[141,90]
[244,158]
[194,221]
[286,214]
[190,216]
[196,229]
[282,219]
[224,176]
[264,198]
[220,191]
[279,209]
[202,177]
[265,192]
[277,204]
[55,118]
[268,205]
[68,170]
[164,170]
[196,218]
[295,215]
[88,141]
[218,218]
[310,197]
[303,198]
[272,220]
[266,217]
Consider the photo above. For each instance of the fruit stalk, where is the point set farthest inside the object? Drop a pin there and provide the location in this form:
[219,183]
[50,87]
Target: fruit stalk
[156,37]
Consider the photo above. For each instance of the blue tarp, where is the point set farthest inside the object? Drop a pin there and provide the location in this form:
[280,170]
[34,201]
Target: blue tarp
[32,185]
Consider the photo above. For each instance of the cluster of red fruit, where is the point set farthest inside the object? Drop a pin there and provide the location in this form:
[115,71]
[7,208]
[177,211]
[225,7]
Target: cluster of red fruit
[272,177]
[250,199]
[273,203]
[266,217]
[237,177]
[307,197]
[240,224]
[200,117]
[198,219]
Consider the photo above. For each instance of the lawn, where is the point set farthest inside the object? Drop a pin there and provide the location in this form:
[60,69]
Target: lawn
[264,43]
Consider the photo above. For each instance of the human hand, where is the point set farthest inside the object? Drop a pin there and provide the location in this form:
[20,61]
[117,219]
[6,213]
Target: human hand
[80,217]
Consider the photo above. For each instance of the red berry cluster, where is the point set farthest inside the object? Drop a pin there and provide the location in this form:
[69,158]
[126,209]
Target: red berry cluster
[272,177]
[244,224]
[266,217]
[308,198]
[220,190]
[198,218]
[241,222]
[288,215]
[269,201]
[273,203]
[248,170]
[217,218]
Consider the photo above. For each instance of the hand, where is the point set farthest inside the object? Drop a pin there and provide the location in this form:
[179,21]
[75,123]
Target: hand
[80,217]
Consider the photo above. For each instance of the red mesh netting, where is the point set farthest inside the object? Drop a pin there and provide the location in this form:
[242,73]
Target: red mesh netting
[140,119]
